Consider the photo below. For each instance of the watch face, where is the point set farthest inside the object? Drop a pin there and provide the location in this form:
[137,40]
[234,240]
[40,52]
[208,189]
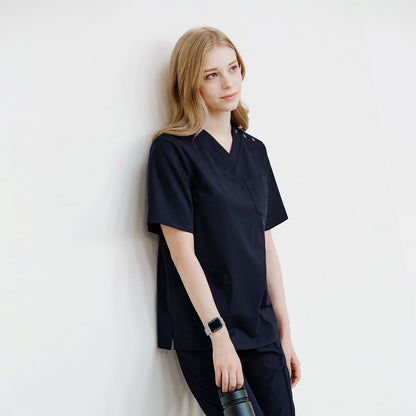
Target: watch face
[215,325]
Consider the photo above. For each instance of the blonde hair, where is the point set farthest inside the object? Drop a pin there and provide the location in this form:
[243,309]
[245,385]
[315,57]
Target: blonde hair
[186,69]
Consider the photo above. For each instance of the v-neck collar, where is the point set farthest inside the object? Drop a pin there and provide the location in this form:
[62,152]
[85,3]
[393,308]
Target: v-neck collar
[227,159]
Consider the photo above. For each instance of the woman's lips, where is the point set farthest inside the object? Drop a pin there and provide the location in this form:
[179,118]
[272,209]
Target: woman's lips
[229,97]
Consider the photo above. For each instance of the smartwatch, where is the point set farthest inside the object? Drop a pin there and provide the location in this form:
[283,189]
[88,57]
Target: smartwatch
[214,325]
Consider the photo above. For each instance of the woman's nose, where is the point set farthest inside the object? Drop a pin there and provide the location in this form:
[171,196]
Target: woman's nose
[226,81]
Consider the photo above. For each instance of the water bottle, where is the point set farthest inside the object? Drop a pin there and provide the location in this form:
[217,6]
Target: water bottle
[236,403]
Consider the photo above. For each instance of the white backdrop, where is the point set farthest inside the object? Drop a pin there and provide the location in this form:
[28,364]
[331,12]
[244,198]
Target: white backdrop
[330,86]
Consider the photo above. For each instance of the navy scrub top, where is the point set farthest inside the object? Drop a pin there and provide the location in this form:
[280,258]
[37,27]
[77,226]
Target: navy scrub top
[227,200]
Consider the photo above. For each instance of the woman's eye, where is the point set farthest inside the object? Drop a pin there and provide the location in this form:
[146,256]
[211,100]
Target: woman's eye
[234,68]
[209,76]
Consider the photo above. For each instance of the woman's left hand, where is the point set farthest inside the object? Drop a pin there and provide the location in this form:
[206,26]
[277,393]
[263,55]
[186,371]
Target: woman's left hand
[292,361]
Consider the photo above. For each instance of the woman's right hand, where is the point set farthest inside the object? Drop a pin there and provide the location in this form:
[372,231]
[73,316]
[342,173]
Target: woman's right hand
[227,364]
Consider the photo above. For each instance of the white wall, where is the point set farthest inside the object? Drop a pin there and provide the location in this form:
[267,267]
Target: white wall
[330,86]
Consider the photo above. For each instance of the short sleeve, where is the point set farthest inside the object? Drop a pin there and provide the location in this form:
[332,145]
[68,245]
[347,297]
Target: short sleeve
[276,212]
[168,188]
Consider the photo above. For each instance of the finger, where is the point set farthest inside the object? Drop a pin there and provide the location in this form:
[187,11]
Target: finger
[233,381]
[295,368]
[240,379]
[225,381]
[294,382]
[295,377]
[218,378]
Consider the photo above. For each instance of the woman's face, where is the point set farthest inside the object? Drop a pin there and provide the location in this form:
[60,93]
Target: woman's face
[222,77]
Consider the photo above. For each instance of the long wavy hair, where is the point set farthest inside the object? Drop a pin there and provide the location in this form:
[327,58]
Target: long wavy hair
[185,77]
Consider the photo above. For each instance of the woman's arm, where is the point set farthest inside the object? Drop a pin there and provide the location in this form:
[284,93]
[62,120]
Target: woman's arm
[277,296]
[227,364]
[275,286]
[181,247]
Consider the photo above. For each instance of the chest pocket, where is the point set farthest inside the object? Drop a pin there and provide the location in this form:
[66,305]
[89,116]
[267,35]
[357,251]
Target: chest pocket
[257,188]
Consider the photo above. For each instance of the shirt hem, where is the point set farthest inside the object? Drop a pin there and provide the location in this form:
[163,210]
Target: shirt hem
[169,345]
[153,226]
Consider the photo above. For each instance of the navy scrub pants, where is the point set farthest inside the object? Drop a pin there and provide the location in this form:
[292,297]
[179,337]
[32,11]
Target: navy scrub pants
[266,379]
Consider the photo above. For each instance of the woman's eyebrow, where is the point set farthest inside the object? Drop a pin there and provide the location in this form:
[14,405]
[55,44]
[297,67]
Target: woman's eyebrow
[213,69]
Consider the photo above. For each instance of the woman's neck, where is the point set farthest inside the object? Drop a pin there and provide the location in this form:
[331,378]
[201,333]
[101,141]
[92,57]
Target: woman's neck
[219,125]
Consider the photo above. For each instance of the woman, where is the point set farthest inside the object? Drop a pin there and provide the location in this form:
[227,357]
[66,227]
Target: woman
[212,199]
